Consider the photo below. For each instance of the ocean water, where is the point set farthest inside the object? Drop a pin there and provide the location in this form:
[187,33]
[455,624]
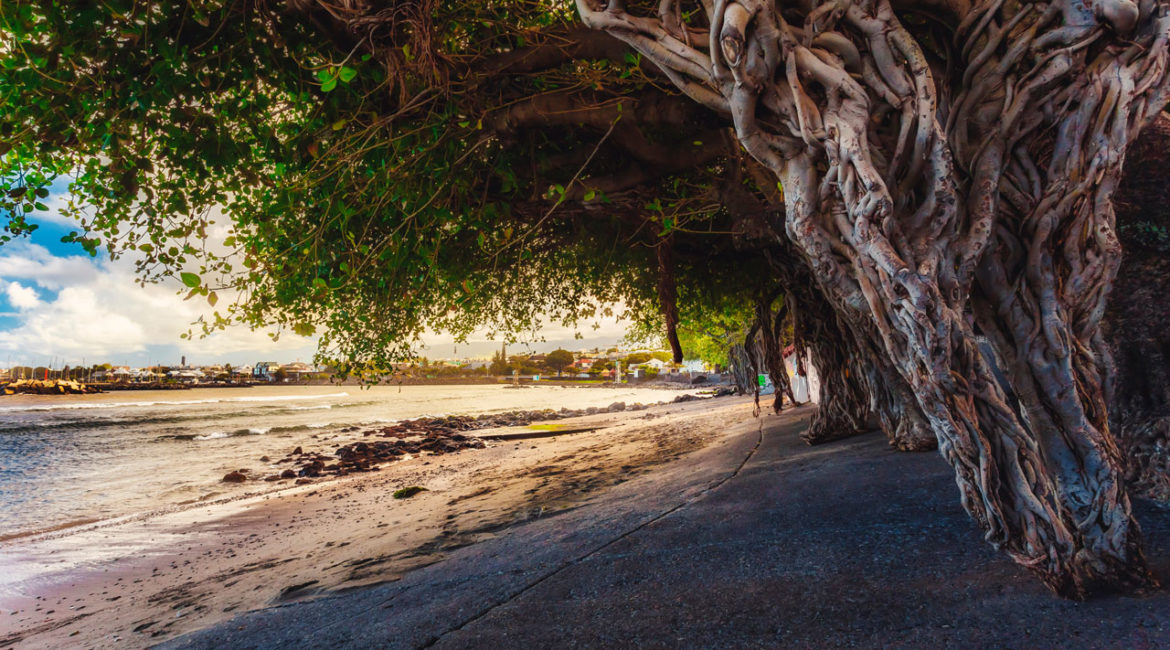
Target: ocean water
[67,459]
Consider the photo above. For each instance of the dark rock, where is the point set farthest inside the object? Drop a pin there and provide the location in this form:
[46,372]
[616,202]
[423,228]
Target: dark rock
[234,477]
[422,436]
[264,459]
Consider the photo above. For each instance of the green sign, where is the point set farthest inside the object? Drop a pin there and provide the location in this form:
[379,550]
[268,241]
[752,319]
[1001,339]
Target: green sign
[763,379]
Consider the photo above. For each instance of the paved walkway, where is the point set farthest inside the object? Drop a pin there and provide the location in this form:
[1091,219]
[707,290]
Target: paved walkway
[757,542]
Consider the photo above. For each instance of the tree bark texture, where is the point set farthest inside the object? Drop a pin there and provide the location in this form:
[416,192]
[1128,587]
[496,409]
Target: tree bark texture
[668,295]
[743,370]
[949,182]
[770,349]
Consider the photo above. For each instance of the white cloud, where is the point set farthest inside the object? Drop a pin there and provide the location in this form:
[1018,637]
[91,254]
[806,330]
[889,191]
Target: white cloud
[100,312]
[20,260]
[21,297]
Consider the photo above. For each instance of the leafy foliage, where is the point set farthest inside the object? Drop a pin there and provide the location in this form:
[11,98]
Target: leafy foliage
[355,194]
[559,359]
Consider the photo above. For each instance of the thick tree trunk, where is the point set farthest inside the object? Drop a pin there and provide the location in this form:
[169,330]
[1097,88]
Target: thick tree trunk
[743,370]
[844,408]
[902,196]
[858,385]
[668,295]
[770,350]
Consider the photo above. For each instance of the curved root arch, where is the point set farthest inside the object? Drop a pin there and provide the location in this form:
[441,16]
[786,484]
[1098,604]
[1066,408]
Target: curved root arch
[900,195]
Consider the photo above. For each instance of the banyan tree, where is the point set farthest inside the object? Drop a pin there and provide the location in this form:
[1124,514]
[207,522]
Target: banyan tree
[948,173]
[921,190]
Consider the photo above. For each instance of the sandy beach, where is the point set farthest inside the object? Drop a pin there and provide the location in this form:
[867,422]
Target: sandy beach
[141,580]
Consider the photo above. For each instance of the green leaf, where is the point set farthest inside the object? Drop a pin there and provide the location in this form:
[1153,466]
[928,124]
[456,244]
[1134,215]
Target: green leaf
[324,75]
[590,195]
[212,298]
[329,85]
[304,329]
[189,279]
[346,74]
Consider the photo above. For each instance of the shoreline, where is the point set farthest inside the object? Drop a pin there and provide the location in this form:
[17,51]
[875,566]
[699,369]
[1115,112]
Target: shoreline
[101,387]
[178,570]
[317,457]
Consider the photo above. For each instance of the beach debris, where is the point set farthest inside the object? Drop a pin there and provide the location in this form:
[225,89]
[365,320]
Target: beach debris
[421,437]
[407,492]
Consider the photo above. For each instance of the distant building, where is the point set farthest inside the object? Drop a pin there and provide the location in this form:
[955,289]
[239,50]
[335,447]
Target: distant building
[185,376]
[653,363]
[694,365]
[296,371]
[265,371]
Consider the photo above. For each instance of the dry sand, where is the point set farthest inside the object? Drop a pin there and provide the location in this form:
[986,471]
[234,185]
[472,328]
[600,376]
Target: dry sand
[142,580]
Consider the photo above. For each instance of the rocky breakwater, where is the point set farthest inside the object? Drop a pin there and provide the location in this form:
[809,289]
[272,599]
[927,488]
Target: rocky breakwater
[49,387]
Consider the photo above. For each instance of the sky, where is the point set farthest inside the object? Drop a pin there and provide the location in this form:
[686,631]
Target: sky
[59,305]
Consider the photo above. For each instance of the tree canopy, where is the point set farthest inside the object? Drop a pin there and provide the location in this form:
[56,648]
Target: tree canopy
[558,360]
[474,173]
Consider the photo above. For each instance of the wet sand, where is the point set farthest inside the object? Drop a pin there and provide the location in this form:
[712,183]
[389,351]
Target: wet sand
[144,579]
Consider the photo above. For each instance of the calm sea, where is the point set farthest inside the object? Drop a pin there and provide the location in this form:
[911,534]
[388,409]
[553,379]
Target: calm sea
[71,458]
